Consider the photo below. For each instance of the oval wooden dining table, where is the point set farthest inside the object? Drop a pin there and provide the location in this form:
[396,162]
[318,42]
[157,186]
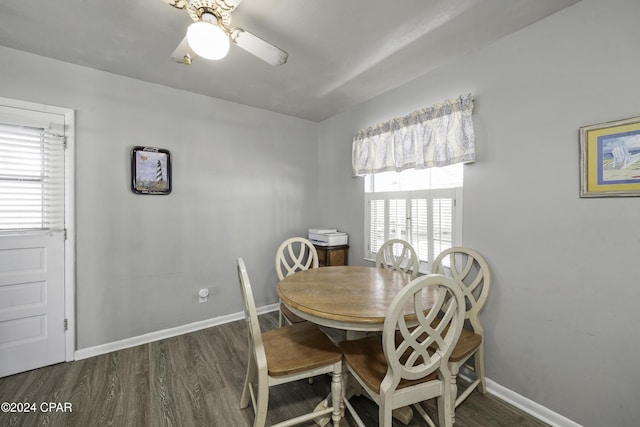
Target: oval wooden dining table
[351,298]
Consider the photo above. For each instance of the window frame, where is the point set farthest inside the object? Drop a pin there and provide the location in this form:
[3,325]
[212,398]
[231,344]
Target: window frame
[454,194]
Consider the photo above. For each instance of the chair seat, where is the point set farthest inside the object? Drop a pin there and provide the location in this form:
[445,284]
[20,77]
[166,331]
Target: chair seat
[297,348]
[467,344]
[286,312]
[366,357]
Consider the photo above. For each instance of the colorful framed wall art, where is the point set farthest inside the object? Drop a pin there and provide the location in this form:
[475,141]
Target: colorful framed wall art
[150,170]
[610,159]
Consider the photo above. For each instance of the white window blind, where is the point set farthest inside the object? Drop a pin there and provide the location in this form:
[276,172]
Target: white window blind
[420,219]
[428,219]
[377,227]
[442,227]
[31,178]
[397,218]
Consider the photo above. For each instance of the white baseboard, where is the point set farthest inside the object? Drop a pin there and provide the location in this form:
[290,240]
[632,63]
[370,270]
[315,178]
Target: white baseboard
[85,353]
[527,405]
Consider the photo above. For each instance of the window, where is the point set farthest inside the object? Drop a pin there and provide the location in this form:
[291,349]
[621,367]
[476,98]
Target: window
[423,207]
[31,171]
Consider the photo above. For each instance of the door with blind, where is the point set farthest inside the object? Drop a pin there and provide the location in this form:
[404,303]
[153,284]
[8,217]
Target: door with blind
[33,325]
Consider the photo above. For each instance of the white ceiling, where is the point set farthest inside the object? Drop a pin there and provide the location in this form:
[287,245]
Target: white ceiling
[341,53]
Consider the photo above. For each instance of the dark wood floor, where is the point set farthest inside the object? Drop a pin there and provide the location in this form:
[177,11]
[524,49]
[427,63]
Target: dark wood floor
[191,380]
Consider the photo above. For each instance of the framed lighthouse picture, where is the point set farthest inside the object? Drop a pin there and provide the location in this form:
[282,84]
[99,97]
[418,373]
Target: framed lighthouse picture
[150,170]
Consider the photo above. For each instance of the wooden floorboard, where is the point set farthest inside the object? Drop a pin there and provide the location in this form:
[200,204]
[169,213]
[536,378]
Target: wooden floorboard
[193,380]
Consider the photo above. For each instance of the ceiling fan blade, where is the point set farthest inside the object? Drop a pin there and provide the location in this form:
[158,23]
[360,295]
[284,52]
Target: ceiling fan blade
[183,53]
[256,46]
[228,5]
[178,4]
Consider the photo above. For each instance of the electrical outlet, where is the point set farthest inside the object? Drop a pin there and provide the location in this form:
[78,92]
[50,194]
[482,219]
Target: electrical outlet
[203,295]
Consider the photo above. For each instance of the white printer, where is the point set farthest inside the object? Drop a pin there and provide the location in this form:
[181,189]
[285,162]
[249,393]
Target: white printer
[327,237]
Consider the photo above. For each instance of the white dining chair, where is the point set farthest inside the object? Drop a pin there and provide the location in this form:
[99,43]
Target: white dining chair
[398,254]
[283,355]
[409,364]
[472,273]
[294,254]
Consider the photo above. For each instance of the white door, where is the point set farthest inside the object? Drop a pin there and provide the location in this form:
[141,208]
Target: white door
[33,300]
[32,328]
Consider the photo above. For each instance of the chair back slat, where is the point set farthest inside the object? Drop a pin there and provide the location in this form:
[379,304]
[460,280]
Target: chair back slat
[295,254]
[417,347]
[398,254]
[472,273]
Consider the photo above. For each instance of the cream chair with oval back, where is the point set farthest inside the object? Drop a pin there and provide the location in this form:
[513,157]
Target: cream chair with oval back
[283,355]
[294,254]
[472,273]
[408,364]
[398,254]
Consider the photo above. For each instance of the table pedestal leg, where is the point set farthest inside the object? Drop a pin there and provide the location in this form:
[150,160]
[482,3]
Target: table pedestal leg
[321,406]
[404,414]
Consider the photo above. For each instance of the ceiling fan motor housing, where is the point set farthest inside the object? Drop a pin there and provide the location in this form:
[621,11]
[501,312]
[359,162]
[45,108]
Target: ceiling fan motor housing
[219,8]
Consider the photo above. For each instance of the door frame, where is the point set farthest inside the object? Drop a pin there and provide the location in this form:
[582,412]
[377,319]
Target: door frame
[69,214]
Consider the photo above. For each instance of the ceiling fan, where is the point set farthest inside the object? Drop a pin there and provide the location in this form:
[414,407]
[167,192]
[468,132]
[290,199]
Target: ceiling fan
[210,33]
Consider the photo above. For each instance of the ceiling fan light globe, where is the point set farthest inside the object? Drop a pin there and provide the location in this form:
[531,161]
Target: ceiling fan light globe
[208,40]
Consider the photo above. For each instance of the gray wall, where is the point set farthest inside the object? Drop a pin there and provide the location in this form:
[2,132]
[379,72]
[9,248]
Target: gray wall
[561,321]
[561,314]
[243,181]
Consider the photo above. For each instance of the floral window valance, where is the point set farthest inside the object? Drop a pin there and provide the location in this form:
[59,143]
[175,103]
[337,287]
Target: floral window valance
[436,136]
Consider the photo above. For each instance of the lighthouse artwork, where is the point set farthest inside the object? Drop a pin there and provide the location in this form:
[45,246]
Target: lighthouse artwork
[150,170]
